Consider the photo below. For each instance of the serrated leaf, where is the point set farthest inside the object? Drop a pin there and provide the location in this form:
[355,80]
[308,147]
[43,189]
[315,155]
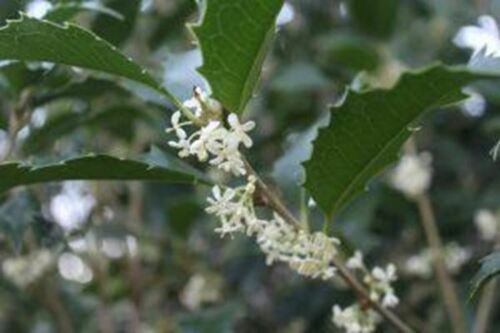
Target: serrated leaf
[66,11]
[118,32]
[92,167]
[490,267]
[234,36]
[30,39]
[367,130]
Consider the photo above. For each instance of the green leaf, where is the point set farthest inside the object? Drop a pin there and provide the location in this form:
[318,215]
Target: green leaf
[367,130]
[490,267]
[234,36]
[92,167]
[118,32]
[376,18]
[30,39]
[66,11]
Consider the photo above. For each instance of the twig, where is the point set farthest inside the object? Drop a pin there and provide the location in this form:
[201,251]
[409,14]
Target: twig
[17,119]
[444,280]
[485,306]
[431,231]
[274,202]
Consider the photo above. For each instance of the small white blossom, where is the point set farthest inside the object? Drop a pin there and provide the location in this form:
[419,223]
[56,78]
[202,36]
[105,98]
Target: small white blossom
[239,131]
[199,290]
[487,224]
[413,174]
[481,38]
[385,276]
[380,285]
[206,139]
[354,319]
[221,203]
[356,261]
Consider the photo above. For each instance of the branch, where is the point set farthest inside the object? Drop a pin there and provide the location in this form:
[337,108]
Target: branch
[431,231]
[274,202]
[485,306]
[445,282]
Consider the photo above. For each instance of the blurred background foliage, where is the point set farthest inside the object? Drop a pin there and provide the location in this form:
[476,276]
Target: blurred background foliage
[141,257]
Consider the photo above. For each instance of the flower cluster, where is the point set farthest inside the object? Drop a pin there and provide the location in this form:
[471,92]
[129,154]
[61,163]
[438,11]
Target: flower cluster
[311,254]
[213,142]
[355,319]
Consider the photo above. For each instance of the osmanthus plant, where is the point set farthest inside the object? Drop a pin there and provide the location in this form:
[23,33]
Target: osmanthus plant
[364,135]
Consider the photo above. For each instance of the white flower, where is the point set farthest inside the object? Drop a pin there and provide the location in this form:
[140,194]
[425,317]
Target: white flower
[199,290]
[239,131]
[413,174]
[177,126]
[355,320]
[386,276]
[487,224]
[356,261]
[390,299]
[483,37]
[207,138]
[183,145]
[379,283]
[221,204]
[231,163]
